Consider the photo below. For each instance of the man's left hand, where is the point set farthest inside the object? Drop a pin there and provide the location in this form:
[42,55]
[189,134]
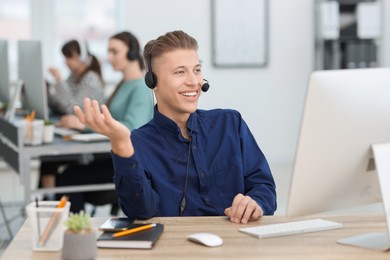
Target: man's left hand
[243,209]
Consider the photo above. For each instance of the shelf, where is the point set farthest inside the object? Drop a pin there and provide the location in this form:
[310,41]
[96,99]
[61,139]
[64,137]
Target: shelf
[348,34]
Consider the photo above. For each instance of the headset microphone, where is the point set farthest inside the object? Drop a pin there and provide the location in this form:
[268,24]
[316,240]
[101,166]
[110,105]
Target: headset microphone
[205,86]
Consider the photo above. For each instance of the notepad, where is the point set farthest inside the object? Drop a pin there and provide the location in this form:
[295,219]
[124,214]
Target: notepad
[141,240]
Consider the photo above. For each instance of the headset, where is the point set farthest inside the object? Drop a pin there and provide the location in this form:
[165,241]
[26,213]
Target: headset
[151,78]
[151,82]
[183,202]
[85,57]
[132,54]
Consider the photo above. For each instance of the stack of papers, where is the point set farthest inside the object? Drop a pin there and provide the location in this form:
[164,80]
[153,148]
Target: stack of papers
[91,137]
[63,131]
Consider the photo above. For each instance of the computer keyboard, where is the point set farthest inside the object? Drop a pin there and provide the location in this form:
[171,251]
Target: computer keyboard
[290,228]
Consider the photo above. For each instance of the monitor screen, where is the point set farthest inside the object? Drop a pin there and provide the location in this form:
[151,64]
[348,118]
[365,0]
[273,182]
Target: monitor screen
[4,72]
[346,111]
[30,71]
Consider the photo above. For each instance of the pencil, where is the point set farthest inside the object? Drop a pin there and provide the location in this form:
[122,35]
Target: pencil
[30,118]
[50,226]
[133,230]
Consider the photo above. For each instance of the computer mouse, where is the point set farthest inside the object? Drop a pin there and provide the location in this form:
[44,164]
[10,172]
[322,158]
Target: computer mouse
[207,239]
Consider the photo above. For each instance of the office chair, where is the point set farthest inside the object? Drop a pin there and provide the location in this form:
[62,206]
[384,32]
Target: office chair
[100,198]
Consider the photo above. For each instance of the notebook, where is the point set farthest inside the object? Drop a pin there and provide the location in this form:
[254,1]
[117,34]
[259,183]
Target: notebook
[141,240]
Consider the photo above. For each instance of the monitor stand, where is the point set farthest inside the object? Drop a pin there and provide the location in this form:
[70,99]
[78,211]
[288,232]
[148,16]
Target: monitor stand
[377,240]
[10,113]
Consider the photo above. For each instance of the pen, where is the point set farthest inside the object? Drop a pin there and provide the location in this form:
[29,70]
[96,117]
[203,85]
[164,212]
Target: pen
[51,225]
[38,221]
[133,230]
[67,137]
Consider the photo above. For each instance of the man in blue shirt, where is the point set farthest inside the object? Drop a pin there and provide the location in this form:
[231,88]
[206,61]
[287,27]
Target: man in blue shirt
[185,161]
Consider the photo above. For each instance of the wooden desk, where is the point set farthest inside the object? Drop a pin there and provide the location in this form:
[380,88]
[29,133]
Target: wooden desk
[173,244]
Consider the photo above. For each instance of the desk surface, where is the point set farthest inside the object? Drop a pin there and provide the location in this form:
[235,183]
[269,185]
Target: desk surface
[61,147]
[173,244]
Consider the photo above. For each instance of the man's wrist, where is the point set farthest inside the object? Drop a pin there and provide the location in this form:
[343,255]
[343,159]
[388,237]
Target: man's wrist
[122,148]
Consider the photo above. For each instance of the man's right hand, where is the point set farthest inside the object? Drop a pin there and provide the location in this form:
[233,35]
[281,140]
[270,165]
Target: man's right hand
[99,119]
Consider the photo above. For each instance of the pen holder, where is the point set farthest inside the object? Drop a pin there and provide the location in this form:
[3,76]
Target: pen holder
[32,131]
[47,225]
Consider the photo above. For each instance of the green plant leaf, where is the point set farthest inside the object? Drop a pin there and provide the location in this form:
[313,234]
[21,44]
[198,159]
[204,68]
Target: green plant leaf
[79,222]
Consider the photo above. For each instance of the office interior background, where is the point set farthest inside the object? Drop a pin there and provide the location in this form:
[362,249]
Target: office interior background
[270,98]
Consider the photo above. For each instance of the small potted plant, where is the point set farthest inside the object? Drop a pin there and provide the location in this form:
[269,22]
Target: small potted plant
[48,131]
[79,238]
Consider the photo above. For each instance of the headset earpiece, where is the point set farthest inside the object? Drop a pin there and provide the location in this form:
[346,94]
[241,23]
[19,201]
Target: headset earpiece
[132,54]
[84,55]
[150,77]
[205,85]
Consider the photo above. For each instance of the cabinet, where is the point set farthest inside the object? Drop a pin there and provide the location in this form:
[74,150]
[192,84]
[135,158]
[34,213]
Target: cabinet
[348,34]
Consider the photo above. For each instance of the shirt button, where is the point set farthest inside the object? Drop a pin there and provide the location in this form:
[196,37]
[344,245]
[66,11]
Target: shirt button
[202,174]
[207,199]
[194,147]
[137,194]
[133,165]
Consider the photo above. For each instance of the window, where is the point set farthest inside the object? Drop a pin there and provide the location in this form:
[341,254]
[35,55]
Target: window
[54,22]
[14,25]
[92,20]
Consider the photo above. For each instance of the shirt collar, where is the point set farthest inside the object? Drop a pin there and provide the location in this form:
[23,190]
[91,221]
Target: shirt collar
[171,126]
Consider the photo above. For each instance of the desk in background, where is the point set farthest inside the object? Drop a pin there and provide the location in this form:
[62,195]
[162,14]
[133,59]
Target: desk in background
[19,156]
[173,244]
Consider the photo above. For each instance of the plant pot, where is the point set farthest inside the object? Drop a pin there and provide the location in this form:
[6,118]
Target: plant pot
[48,133]
[79,246]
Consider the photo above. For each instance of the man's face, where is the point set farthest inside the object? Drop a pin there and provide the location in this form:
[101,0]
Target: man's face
[179,81]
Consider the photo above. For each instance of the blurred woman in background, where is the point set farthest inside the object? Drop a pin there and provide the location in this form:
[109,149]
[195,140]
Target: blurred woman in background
[85,80]
[131,103]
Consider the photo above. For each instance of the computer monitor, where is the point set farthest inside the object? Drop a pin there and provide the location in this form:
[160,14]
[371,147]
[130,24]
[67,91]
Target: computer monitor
[4,72]
[30,69]
[346,111]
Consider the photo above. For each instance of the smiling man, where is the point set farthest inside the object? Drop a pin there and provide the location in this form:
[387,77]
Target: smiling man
[185,161]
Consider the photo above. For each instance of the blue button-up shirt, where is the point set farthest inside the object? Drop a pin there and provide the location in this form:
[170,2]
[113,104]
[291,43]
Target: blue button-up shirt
[222,160]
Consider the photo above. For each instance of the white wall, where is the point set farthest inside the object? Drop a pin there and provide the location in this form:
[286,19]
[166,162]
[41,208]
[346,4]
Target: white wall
[271,98]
